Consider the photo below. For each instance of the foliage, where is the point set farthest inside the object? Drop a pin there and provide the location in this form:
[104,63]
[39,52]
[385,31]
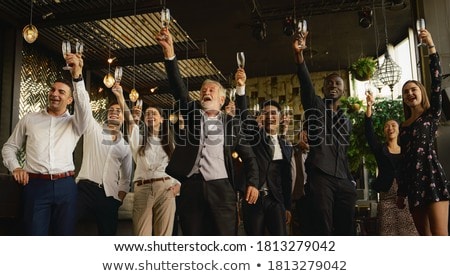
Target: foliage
[384,110]
[363,68]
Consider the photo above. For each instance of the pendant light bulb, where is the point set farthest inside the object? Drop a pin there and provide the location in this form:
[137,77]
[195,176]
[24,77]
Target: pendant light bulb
[134,95]
[108,80]
[30,33]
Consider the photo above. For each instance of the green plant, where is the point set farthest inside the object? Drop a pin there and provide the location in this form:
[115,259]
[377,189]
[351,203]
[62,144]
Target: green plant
[363,68]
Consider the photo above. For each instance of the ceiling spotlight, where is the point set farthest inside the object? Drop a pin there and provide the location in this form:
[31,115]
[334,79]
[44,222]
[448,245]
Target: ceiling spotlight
[48,15]
[153,89]
[288,26]
[398,5]
[259,31]
[365,18]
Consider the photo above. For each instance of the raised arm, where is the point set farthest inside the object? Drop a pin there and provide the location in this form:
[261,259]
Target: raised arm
[118,92]
[308,94]
[436,74]
[177,87]
[82,106]
[368,125]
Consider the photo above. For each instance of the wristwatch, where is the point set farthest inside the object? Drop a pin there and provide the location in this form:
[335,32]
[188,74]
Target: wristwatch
[80,78]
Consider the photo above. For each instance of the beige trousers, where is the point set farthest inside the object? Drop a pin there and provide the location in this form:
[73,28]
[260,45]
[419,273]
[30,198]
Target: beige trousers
[154,209]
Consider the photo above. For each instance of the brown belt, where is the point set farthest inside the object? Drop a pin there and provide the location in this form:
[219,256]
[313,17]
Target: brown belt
[51,176]
[150,181]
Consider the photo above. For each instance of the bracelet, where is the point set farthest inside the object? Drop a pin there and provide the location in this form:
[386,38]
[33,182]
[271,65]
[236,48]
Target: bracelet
[80,78]
[430,46]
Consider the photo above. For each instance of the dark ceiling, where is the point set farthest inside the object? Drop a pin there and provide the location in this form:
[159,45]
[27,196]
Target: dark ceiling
[209,33]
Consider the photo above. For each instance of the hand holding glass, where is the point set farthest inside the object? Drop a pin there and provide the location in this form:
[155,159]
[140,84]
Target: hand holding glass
[420,25]
[66,49]
[302,28]
[240,57]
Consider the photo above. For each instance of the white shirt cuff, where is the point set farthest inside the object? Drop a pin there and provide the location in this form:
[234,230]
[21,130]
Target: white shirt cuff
[240,90]
[170,58]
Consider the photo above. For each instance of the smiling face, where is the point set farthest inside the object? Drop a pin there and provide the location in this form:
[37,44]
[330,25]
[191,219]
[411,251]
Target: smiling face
[414,97]
[391,130]
[59,97]
[333,87]
[212,95]
[153,118]
[115,115]
[271,119]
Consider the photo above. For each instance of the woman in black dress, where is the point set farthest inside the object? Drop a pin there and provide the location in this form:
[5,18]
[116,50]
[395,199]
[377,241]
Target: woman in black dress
[422,179]
[392,221]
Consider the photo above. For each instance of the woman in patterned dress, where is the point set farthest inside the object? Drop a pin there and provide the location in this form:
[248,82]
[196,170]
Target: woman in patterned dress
[422,179]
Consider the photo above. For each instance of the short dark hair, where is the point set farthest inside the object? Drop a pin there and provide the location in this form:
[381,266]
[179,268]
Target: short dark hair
[111,103]
[272,103]
[66,82]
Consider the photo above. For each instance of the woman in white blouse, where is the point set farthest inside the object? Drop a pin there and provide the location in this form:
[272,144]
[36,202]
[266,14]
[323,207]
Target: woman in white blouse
[154,190]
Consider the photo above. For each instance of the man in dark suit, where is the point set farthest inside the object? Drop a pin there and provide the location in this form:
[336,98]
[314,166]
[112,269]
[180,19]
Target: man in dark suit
[330,188]
[271,212]
[202,159]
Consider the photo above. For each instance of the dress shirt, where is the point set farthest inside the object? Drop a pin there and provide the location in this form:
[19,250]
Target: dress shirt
[154,161]
[106,161]
[49,140]
[277,154]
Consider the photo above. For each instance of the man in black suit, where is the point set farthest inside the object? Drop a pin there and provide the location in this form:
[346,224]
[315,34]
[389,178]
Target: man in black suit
[330,188]
[202,159]
[271,212]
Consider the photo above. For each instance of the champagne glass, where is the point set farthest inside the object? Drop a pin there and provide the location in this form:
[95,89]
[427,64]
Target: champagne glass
[420,25]
[165,18]
[118,74]
[232,94]
[302,28]
[240,57]
[66,49]
[79,47]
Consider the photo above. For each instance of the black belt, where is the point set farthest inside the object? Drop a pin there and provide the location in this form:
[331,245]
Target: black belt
[91,183]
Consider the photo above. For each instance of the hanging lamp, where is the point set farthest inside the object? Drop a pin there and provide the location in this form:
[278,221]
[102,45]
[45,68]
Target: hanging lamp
[134,95]
[389,73]
[30,32]
[109,80]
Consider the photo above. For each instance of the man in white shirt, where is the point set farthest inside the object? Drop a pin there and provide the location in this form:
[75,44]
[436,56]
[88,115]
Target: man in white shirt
[50,137]
[105,174]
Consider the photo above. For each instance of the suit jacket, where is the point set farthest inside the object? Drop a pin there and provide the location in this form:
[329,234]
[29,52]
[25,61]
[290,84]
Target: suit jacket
[281,189]
[328,133]
[188,138]
[386,166]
